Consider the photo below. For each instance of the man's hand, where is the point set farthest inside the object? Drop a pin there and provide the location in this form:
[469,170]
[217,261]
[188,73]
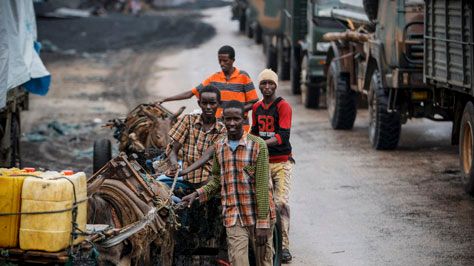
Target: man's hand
[262,235]
[160,101]
[189,199]
[172,170]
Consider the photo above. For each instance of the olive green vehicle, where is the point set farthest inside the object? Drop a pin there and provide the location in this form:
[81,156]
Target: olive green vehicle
[381,60]
[448,69]
[291,32]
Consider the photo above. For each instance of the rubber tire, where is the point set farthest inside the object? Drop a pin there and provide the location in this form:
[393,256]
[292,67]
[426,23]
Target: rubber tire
[295,73]
[466,148]
[277,244]
[258,34]
[283,61]
[371,8]
[15,151]
[248,29]
[309,91]
[271,58]
[102,154]
[277,241]
[341,101]
[242,21]
[384,127]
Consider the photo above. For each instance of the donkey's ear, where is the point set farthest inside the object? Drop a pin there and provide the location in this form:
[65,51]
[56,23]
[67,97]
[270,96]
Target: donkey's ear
[179,112]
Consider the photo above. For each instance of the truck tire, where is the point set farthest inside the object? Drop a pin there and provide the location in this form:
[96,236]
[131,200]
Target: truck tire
[283,61]
[258,34]
[341,101]
[248,28]
[102,154]
[271,57]
[384,127]
[277,245]
[295,73]
[242,23]
[309,91]
[15,156]
[371,8]
[466,148]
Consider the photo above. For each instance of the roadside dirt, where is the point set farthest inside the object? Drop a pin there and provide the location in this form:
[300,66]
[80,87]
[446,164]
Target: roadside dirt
[99,67]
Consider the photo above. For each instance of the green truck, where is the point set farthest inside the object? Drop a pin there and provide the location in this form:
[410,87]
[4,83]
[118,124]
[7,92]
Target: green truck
[291,32]
[382,61]
[448,68]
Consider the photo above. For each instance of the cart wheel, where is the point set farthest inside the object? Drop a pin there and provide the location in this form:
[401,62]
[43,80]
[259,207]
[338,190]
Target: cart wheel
[102,153]
[277,245]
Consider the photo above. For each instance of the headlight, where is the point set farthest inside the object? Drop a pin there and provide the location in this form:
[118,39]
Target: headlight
[322,46]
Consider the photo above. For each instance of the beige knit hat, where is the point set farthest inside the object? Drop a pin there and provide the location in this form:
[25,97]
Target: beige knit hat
[268,74]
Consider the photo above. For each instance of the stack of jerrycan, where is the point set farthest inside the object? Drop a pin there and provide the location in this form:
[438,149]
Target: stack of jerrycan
[45,200]
[11,184]
[54,194]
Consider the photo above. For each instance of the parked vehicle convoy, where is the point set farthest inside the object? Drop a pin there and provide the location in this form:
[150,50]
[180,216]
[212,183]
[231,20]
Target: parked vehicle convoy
[291,33]
[448,69]
[383,60]
[19,64]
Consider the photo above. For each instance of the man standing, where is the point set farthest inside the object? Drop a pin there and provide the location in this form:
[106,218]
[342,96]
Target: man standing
[241,174]
[234,84]
[271,120]
[195,133]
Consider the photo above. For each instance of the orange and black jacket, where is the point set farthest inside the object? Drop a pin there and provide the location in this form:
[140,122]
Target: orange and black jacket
[270,121]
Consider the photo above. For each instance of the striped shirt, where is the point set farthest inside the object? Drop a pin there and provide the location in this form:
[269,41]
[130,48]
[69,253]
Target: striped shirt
[189,132]
[244,182]
[239,87]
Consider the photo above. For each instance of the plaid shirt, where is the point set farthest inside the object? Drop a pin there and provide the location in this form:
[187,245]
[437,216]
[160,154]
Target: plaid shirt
[189,132]
[244,181]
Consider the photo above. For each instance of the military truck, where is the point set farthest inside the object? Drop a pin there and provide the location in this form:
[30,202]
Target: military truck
[383,61]
[448,68]
[21,70]
[301,52]
[291,33]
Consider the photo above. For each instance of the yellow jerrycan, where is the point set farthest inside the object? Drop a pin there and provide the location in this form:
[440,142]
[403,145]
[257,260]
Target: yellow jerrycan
[11,182]
[52,194]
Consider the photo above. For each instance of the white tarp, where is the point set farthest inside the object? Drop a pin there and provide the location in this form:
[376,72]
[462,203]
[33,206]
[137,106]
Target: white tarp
[19,62]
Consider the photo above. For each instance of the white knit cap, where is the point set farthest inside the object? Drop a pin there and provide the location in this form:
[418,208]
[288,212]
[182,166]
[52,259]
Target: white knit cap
[268,74]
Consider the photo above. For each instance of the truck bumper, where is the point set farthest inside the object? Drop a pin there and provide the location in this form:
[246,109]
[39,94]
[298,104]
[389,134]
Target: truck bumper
[401,78]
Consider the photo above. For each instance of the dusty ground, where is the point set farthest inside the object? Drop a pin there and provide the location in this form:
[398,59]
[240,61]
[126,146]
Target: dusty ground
[100,66]
[350,205]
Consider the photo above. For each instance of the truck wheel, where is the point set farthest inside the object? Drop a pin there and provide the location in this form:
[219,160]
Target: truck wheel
[277,245]
[15,141]
[102,154]
[384,127]
[341,101]
[283,62]
[242,21]
[271,57]
[295,73]
[466,147]
[371,8]
[258,34]
[277,241]
[248,28]
[309,92]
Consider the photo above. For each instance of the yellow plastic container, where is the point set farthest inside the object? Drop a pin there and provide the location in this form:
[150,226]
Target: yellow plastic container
[52,231]
[10,198]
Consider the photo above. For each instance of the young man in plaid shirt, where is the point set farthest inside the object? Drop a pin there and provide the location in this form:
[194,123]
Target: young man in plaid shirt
[193,134]
[241,174]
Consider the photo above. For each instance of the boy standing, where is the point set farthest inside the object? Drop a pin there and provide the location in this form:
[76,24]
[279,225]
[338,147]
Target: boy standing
[241,174]
[271,120]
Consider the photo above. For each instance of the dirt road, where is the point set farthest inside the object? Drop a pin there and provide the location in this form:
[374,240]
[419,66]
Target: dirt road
[350,205]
